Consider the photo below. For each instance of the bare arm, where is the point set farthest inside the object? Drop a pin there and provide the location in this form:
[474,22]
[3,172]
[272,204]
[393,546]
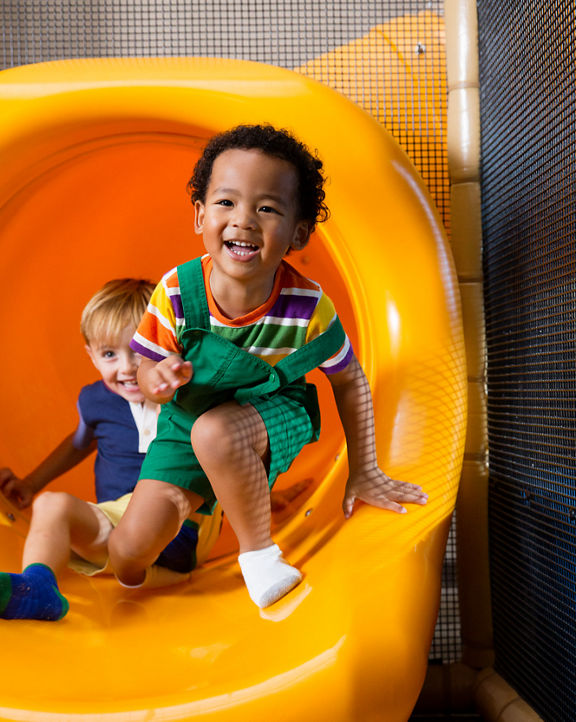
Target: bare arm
[64,457]
[365,479]
[158,380]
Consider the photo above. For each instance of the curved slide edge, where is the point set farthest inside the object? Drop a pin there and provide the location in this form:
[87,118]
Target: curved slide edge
[96,157]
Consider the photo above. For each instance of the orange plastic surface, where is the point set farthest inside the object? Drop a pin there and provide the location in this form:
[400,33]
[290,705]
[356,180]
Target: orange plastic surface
[95,160]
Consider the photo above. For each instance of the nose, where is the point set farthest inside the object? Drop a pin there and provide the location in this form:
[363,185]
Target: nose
[128,362]
[244,216]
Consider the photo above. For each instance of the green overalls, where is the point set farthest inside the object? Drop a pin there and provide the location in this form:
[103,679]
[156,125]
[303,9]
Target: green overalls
[224,372]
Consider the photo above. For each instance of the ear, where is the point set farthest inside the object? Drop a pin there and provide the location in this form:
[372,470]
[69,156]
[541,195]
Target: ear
[90,353]
[198,217]
[301,236]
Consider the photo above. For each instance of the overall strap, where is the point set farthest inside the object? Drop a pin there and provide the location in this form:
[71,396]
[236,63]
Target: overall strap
[312,354]
[193,294]
[295,366]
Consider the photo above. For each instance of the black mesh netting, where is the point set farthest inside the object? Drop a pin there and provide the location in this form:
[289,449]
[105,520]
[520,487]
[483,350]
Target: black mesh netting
[528,109]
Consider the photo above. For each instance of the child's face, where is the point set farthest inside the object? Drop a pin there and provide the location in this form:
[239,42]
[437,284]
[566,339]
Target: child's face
[250,219]
[118,365]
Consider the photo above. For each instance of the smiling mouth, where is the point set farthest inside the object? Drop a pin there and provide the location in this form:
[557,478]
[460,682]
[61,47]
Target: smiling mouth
[240,248]
[132,385]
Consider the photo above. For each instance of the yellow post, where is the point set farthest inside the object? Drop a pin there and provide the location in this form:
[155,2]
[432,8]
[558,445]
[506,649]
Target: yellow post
[464,169]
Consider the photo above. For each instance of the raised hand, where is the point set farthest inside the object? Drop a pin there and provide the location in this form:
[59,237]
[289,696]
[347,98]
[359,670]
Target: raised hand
[159,380]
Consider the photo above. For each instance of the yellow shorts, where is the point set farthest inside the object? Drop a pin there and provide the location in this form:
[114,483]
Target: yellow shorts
[208,532]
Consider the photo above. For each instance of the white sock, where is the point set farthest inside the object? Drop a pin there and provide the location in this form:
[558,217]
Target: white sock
[268,575]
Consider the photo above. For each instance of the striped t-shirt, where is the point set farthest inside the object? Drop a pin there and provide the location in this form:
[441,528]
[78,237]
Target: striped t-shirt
[296,312]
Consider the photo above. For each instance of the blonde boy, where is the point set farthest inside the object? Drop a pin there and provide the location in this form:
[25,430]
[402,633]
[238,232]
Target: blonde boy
[118,422]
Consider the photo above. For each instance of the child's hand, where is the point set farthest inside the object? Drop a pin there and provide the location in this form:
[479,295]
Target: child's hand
[374,487]
[16,490]
[170,374]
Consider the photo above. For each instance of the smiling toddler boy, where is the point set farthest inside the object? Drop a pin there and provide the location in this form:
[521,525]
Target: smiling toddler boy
[118,422]
[226,343]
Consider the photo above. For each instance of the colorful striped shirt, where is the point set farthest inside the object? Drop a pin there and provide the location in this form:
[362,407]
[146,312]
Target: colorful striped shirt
[296,312]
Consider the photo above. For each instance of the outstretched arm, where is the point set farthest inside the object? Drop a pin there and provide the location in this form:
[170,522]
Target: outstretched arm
[64,457]
[158,380]
[366,481]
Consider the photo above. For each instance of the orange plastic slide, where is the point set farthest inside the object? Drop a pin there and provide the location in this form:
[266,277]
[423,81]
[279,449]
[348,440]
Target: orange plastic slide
[96,155]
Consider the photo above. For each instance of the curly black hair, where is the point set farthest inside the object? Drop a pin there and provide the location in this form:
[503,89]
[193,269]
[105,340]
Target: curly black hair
[279,143]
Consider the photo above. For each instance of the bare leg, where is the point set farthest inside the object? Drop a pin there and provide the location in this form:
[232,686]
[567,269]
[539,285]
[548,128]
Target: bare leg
[231,444]
[61,522]
[153,518]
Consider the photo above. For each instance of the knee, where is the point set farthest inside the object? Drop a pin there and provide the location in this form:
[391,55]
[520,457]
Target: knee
[127,544]
[55,504]
[213,432]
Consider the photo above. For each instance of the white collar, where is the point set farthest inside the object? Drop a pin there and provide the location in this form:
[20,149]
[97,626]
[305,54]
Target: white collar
[145,417]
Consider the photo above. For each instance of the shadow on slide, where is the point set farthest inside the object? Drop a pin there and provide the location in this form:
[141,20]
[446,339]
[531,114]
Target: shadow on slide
[95,159]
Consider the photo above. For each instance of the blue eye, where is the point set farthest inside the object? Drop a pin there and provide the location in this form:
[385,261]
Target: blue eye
[108,354]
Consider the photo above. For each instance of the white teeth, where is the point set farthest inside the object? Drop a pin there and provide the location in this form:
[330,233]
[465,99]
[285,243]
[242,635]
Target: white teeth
[237,246]
[242,244]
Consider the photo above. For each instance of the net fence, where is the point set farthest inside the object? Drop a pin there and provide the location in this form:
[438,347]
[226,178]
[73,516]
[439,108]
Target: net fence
[528,108]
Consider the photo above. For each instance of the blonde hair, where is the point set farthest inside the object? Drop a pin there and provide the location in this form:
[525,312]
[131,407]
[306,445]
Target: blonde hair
[118,304]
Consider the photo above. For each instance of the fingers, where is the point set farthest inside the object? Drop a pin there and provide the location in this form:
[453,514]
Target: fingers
[379,490]
[9,486]
[401,492]
[348,505]
[6,476]
[380,503]
[389,505]
[172,373]
[25,497]
[399,498]
[14,495]
[410,493]
[20,501]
